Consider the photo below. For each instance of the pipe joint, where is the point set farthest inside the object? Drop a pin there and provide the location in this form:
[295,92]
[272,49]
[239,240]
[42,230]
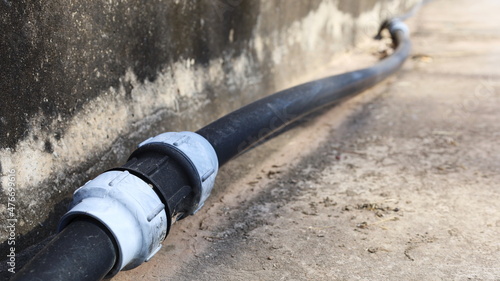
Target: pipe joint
[199,158]
[129,208]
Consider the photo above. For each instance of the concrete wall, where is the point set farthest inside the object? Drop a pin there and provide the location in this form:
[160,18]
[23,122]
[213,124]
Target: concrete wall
[82,82]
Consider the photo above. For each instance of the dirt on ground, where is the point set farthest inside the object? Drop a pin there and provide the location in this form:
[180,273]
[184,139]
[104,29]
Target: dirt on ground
[400,183]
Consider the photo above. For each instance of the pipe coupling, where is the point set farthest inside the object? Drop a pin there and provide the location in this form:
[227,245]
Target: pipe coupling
[129,208]
[199,158]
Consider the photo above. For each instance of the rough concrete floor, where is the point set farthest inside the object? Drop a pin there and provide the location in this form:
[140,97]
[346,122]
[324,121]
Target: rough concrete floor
[400,183]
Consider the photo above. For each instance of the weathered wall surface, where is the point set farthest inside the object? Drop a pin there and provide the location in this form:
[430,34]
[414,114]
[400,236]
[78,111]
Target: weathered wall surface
[82,82]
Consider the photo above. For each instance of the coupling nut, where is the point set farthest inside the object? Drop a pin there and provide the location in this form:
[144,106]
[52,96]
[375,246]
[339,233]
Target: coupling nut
[129,208]
[199,158]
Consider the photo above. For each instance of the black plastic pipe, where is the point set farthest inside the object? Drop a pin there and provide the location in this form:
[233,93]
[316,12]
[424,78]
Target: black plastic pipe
[82,251]
[241,129]
[86,250]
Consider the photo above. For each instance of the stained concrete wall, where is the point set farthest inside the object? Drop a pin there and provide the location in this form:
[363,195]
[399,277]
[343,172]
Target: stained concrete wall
[82,82]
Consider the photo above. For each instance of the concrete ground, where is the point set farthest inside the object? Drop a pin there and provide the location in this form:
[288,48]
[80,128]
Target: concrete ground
[400,183]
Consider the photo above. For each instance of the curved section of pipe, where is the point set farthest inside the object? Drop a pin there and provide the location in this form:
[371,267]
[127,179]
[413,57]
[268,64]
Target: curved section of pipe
[239,130]
[119,219]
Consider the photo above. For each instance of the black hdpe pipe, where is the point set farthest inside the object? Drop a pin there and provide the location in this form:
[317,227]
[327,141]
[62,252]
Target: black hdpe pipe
[89,247]
[239,130]
[82,251]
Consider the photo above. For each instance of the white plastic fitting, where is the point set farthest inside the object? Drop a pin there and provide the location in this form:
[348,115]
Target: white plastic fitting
[200,153]
[131,211]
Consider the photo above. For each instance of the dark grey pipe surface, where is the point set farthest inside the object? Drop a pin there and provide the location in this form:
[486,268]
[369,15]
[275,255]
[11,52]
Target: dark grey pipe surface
[239,130]
[81,251]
